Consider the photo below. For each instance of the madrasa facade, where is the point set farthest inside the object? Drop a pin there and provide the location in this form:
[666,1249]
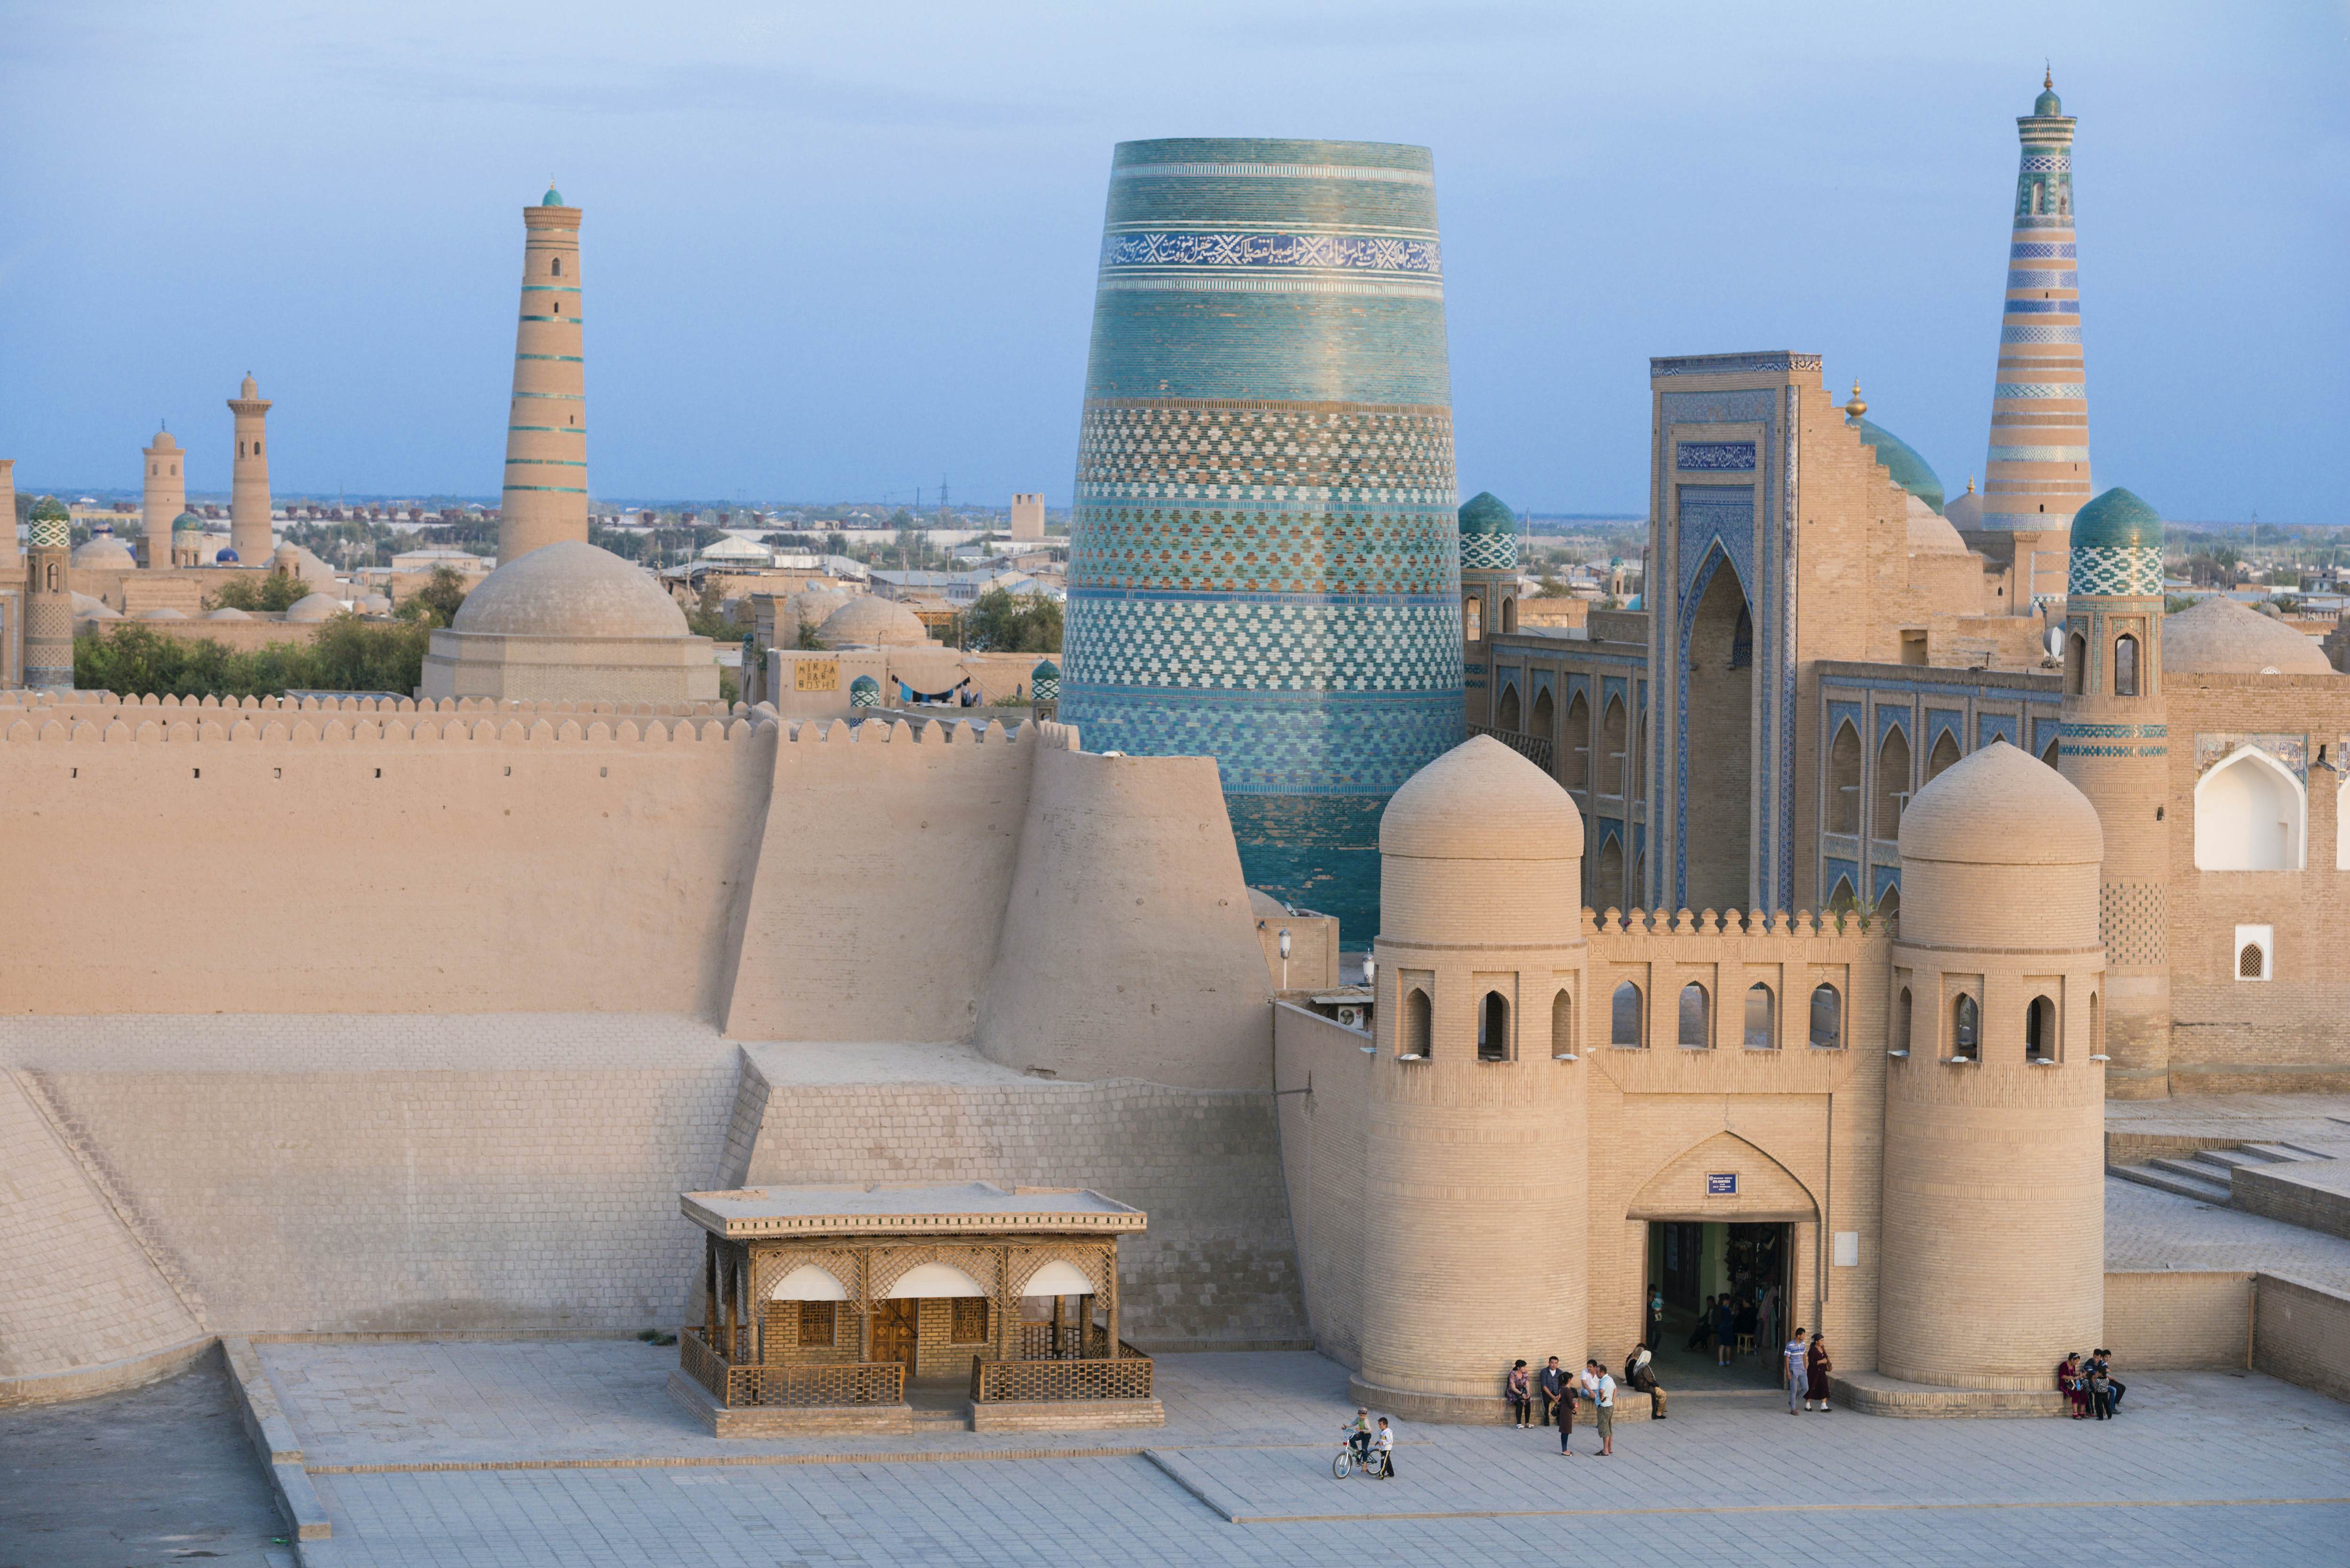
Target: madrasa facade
[418,1016]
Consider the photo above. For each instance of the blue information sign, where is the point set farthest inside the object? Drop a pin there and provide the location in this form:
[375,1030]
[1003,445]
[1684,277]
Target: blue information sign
[1721,1184]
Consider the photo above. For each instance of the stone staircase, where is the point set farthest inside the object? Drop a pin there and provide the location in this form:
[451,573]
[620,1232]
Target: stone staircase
[2208,1175]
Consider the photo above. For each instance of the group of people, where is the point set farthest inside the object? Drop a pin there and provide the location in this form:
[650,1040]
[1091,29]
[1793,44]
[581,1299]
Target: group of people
[1733,1323]
[1552,1395]
[2089,1384]
[1803,1368]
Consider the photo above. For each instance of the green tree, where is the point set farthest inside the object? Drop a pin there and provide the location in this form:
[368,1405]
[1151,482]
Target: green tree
[252,592]
[1003,622]
[435,604]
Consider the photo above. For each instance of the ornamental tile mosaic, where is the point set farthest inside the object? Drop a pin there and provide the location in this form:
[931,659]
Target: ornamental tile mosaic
[2035,333]
[2214,746]
[2042,250]
[1248,248]
[2128,570]
[1489,552]
[1343,455]
[2043,280]
[2132,923]
[1714,456]
[1261,645]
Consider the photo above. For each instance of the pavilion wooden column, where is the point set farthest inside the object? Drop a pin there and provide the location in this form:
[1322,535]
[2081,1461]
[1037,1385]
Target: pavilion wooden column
[1113,1300]
[865,1304]
[710,1288]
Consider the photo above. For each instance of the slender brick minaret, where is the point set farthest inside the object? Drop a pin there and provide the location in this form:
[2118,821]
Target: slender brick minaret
[163,496]
[8,556]
[545,498]
[49,598]
[2036,474]
[249,533]
[2114,744]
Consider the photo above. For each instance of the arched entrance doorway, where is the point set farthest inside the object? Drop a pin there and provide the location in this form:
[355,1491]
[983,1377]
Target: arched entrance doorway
[1725,1221]
[1721,746]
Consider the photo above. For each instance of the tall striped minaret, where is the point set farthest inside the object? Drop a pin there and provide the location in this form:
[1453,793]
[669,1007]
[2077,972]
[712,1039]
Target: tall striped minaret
[545,498]
[2036,474]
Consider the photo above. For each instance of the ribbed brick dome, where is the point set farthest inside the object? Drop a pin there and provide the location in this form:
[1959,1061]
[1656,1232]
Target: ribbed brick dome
[2002,806]
[1481,801]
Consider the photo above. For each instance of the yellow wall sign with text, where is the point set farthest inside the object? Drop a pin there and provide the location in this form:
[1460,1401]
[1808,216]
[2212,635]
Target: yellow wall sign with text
[816,675]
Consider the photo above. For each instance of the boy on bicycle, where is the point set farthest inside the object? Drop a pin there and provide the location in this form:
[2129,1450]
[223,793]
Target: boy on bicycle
[1358,1434]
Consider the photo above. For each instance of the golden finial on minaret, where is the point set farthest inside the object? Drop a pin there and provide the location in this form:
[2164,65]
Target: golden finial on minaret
[1970,484]
[1855,408]
[2048,76]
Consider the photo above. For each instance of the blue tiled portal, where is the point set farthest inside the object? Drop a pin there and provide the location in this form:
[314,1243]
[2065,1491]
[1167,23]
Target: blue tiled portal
[1264,562]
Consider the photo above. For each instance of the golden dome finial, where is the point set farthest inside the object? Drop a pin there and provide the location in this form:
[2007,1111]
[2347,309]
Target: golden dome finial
[1855,408]
[1970,484]
[2048,76]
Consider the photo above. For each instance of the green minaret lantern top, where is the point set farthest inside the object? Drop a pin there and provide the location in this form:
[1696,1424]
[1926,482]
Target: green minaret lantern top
[553,198]
[2118,520]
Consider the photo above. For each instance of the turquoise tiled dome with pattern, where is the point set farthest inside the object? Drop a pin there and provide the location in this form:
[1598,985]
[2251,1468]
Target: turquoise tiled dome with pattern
[2116,543]
[50,525]
[2047,105]
[1045,681]
[187,522]
[865,692]
[1910,470]
[1489,534]
[1264,562]
[553,198]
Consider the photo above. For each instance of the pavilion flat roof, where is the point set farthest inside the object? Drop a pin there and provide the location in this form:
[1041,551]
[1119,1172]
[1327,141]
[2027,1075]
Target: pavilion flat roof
[941,1209]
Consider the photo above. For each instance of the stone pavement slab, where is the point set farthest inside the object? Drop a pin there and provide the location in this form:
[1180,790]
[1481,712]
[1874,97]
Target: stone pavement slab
[2147,1230]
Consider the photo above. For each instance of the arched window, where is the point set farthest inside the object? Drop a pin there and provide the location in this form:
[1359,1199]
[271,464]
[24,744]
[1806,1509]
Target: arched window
[1828,1017]
[257,449]
[1892,785]
[1888,903]
[1575,743]
[2247,816]
[1561,1024]
[1493,1028]
[1510,612]
[1761,1030]
[1472,619]
[51,585]
[1418,1016]
[2252,963]
[1506,717]
[2040,1029]
[1607,875]
[558,266]
[1844,780]
[1545,717]
[2126,666]
[1966,1030]
[2077,664]
[2048,753]
[1842,898]
[2096,1025]
[1612,733]
[1945,754]
[1624,1016]
[1901,1009]
[1696,1030]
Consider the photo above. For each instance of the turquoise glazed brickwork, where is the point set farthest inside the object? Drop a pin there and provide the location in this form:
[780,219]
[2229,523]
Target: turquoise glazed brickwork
[1265,566]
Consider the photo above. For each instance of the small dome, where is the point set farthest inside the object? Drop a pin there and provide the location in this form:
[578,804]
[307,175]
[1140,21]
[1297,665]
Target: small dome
[2223,637]
[2047,104]
[1264,906]
[2002,806]
[1930,534]
[553,198]
[187,522]
[228,612]
[1481,801]
[1966,512]
[375,604]
[227,557]
[314,606]
[870,622]
[285,555]
[1046,671]
[1487,513]
[815,604]
[2118,520]
[87,607]
[104,551]
[163,612]
[163,442]
[864,692]
[1910,470]
[570,589]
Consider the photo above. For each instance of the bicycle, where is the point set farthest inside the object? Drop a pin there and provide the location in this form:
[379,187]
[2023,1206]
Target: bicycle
[1372,1465]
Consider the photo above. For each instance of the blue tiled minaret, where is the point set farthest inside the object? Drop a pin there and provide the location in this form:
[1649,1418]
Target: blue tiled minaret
[1263,565]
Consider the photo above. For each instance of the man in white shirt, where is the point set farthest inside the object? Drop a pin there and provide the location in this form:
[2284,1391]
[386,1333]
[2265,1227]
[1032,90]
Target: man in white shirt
[1602,1398]
[1790,1364]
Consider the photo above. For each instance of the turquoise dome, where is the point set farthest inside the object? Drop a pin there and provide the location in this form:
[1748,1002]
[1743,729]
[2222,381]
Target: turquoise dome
[1488,514]
[2047,105]
[2118,520]
[1911,472]
[553,198]
[1046,671]
[864,692]
[187,522]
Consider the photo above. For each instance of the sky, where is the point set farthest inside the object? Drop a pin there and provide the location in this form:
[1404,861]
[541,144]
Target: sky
[837,250]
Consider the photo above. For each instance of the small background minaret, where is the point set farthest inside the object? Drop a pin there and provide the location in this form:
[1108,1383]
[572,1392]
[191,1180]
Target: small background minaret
[2114,744]
[248,497]
[163,495]
[49,598]
[8,556]
[2036,473]
[11,582]
[545,497]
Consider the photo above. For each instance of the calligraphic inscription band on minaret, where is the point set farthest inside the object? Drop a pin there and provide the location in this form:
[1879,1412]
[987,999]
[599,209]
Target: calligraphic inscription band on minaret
[1263,565]
[2036,472]
[546,499]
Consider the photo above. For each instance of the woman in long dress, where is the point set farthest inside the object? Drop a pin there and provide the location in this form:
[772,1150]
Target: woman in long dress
[1816,1367]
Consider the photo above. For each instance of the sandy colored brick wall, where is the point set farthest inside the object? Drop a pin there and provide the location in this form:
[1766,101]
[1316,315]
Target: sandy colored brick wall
[2285,1033]
[78,1289]
[1322,1168]
[2178,1320]
[2303,1334]
[2314,1195]
[1216,1269]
